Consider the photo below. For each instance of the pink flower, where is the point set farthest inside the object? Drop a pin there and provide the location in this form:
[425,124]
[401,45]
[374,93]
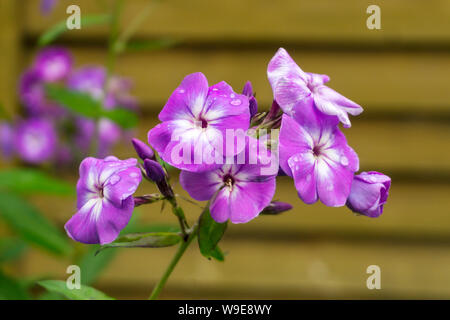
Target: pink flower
[105,202]
[294,89]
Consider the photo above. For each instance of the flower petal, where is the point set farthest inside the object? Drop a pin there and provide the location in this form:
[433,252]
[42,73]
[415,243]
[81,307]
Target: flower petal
[330,102]
[121,185]
[303,168]
[200,186]
[188,100]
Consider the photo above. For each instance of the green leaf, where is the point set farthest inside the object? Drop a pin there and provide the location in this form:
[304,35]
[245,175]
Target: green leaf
[12,289]
[58,29]
[209,234]
[85,105]
[31,225]
[84,293]
[145,240]
[149,45]
[123,117]
[78,102]
[32,181]
[11,249]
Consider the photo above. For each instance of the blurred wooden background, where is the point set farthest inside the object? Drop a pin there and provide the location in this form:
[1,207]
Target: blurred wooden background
[399,74]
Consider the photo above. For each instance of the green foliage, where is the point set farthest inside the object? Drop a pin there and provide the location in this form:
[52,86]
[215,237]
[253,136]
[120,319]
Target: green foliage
[31,225]
[86,106]
[11,249]
[149,45]
[11,289]
[58,29]
[145,240]
[84,293]
[32,181]
[209,234]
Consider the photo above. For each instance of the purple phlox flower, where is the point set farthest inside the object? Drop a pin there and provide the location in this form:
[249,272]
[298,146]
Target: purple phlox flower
[293,89]
[104,199]
[195,120]
[35,140]
[315,153]
[33,97]
[108,134]
[53,64]
[238,192]
[6,139]
[47,6]
[369,193]
[142,149]
[252,103]
[90,79]
[118,94]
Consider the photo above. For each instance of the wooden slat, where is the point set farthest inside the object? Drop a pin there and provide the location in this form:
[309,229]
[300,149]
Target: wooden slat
[277,270]
[9,53]
[266,20]
[380,82]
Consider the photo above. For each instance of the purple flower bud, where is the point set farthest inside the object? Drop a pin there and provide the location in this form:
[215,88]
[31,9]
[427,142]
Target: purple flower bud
[252,103]
[369,193]
[276,207]
[142,149]
[145,199]
[156,173]
[154,170]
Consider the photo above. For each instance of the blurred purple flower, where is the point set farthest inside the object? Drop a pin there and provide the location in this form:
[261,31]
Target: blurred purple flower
[108,134]
[238,192]
[276,207]
[369,193]
[53,64]
[35,140]
[315,153]
[198,115]
[47,6]
[90,79]
[6,139]
[294,89]
[105,202]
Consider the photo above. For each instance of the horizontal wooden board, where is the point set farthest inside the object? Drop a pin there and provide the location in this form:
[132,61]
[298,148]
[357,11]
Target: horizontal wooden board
[380,82]
[266,20]
[273,270]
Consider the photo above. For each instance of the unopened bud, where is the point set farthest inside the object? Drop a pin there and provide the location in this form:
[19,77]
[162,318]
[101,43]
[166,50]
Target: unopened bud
[142,149]
[276,207]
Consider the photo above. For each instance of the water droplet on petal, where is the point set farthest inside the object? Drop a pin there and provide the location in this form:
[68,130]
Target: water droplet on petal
[330,187]
[114,179]
[236,102]
[133,175]
[344,161]
[232,95]
[181,91]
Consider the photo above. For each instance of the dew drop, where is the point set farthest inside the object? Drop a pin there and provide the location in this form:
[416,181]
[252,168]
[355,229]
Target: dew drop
[236,102]
[232,96]
[133,175]
[344,161]
[330,187]
[181,91]
[114,179]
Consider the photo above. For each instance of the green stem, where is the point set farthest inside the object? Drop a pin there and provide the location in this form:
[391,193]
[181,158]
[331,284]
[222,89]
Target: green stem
[176,258]
[113,34]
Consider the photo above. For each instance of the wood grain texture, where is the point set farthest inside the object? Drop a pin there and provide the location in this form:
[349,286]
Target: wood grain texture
[267,20]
